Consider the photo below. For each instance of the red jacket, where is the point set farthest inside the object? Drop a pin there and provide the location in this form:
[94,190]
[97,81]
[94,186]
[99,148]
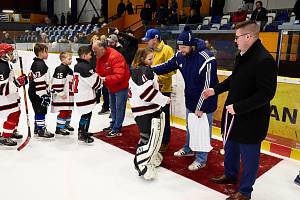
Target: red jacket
[113,67]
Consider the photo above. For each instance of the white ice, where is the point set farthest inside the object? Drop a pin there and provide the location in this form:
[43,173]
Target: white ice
[63,169]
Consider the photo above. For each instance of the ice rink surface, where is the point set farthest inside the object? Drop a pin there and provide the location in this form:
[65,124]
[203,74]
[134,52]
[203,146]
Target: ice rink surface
[63,169]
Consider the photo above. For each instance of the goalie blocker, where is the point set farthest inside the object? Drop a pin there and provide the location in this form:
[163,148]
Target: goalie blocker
[147,157]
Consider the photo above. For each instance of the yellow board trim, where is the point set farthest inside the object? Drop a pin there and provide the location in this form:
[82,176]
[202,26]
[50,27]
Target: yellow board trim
[265,145]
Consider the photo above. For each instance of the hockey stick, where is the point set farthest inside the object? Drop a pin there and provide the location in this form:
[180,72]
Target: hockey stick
[26,108]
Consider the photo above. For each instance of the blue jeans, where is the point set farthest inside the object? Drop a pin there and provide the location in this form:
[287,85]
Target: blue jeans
[201,157]
[117,102]
[249,154]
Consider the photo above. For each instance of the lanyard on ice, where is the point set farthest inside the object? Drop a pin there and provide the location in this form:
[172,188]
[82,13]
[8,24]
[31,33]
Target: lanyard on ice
[226,133]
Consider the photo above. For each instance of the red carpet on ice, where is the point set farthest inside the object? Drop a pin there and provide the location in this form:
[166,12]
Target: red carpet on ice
[213,168]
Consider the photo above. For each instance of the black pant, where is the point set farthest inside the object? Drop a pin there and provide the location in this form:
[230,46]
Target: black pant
[144,124]
[167,130]
[36,102]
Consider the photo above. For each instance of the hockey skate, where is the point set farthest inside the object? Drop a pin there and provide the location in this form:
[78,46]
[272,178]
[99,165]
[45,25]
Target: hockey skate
[7,141]
[69,128]
[44,133]
[157,160]
[16,135]
[62,131]
[151,172]
[85,137]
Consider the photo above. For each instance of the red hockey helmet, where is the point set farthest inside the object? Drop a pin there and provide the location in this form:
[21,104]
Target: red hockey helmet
[5,49]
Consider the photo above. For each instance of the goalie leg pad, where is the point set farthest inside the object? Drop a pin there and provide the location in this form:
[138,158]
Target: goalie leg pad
[147,154]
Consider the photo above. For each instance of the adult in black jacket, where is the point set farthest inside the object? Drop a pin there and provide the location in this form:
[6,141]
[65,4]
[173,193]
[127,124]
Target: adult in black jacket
[251,87]
[129,8]
[296,10]
[146,14]
[217,7]
[130,44]
[260,13]
[196,5]
[121,8]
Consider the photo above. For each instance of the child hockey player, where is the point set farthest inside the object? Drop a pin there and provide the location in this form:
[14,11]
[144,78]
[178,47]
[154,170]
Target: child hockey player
[9,96]
[63,95]
[86,82]
[39,91]
[146,102]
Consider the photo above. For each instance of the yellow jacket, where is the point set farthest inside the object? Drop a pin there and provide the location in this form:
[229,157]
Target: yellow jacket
[162,54]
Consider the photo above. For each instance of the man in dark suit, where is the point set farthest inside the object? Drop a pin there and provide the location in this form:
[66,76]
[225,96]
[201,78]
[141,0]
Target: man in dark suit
[251,87]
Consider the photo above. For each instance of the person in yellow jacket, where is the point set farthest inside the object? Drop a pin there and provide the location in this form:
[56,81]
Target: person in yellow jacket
[162,53]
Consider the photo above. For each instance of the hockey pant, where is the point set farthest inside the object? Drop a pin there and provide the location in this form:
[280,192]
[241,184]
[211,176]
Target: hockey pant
[64,118]
[147,156]
[10,124]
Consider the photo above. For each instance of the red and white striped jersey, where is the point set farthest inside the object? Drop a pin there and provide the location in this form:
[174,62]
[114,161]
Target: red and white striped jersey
[86,82]
[145,97]
[62,86]
[9,96]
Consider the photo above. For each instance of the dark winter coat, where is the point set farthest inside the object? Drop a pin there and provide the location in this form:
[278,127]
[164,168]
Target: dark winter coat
[121,9]
[146,14]
[199,71]
[130,45]
[296,9]
[260,15]
[251,87]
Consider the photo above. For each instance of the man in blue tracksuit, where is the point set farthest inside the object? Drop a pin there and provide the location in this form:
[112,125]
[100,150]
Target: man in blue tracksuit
[198,67]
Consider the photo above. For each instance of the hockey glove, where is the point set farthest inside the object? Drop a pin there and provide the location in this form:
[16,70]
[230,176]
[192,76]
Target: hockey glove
[22,80]
[45,100]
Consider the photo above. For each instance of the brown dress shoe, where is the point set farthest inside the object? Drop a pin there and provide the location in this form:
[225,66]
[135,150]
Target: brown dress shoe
[223,180]
[238,196]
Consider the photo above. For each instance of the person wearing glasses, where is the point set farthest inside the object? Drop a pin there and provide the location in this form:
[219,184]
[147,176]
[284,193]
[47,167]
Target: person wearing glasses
[251,87]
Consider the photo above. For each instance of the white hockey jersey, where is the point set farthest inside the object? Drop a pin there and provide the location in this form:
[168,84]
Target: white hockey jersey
[9,96]
[62,84]
[145,97]
[86,82]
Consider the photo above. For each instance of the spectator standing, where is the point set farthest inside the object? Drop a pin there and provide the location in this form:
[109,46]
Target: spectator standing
[146,15]
[162,15]
[296,10]
[121,8]
[194,18]
[162,53]
[173,19]
[129,8]
[217,7]
[62,19]
[182,17]
[196,5]
[198,67]
[69,18]
[55,20]
[111,65]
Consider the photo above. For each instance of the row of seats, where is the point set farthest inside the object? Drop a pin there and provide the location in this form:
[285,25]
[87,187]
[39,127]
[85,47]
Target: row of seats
[56,33]
[224,23]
